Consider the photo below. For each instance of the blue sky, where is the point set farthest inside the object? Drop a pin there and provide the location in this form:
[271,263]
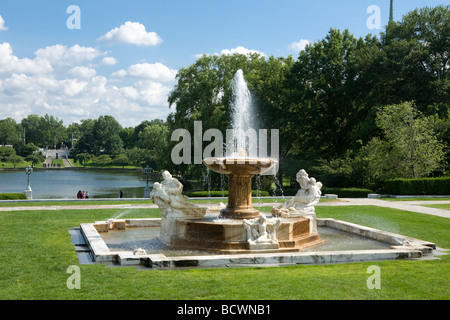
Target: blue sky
[123,59]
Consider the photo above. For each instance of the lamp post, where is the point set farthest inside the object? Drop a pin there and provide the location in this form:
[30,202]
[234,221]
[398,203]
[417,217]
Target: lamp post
[28,191]
[147,171]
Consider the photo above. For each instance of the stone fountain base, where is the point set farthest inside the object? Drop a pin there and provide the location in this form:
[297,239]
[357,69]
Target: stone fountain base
[230,236]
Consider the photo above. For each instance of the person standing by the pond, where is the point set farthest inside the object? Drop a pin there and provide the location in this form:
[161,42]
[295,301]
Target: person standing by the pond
[87,194]
[79,194]
[120,194]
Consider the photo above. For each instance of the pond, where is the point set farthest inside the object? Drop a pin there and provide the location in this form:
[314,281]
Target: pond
[65,183]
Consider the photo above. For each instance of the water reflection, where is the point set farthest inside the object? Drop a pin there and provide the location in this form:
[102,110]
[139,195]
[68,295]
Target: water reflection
[64,184]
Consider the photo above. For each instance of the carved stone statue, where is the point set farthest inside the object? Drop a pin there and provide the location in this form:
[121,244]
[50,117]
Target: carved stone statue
[173,205]
[167,195]
[304,201]
[262,232]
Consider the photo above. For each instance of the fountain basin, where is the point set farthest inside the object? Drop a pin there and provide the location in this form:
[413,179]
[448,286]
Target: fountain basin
[229,236]
[240,172]
[394,246]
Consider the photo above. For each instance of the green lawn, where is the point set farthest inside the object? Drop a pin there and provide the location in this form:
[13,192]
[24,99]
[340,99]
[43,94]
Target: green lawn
[36,250]
[438,206]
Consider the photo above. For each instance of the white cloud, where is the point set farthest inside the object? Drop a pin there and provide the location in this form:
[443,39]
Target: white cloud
[62,56]
[82,72]
[131,33]
[153,71]
[11,64]
[241,50]
[64,82]
[238,49]
[109,61]
[299,45]
[2,24]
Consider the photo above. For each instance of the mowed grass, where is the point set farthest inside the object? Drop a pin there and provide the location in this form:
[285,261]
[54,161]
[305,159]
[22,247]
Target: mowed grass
[445,206]
[36,250]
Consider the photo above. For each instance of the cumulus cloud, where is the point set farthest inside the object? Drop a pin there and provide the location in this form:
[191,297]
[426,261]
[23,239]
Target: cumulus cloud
[2,24]
[240,50]
[154,71]
[131,33]
[64,82]
[300,45]
[109,61]
[11,64]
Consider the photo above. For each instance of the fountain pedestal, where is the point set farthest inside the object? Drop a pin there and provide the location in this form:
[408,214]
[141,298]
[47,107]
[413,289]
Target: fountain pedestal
[240,198]
[240,172]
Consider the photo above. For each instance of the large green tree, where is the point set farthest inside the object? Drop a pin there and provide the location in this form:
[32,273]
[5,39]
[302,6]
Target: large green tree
[10,131]
[408,147]
[416,65]
[330,102]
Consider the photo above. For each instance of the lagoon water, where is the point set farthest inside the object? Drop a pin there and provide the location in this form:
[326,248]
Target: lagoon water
[65,183]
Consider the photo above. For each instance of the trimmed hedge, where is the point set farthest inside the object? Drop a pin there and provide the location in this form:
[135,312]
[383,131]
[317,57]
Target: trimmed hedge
[224,193]
[347,192]
[13,196]
[341,192]
[422,186]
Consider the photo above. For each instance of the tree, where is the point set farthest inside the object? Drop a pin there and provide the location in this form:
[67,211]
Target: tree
[107,135]
[138,156]
[408,147]
[83,158]
[103,160]
[154,138]
[86,141]
[5,152]
[10,131]
[113,145]
[32,129]
[35,158]
[15,159]
[25,150]
[416,64]
[328,95]
[52,131]
[121,160]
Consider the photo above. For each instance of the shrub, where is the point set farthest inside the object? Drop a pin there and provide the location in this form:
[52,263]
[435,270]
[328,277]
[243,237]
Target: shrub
[347,192]
[341,192]
[12,196]
[422,186]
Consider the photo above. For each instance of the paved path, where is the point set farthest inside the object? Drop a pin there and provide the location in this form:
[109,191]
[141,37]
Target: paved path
[413,206]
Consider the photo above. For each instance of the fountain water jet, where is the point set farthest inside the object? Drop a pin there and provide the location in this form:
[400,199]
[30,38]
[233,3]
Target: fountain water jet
[240,226]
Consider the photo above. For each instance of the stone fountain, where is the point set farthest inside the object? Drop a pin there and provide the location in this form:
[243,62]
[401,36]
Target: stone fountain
[238,227]
[238,234]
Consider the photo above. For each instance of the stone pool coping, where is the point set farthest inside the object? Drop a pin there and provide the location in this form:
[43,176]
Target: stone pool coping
[401,247]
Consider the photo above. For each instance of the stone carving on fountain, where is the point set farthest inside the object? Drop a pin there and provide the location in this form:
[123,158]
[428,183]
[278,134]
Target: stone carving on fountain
[173,205]
[262,232]
[302,205]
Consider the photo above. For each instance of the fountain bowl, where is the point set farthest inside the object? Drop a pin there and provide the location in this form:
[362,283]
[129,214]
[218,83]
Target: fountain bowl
[240,165]
[240,172]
